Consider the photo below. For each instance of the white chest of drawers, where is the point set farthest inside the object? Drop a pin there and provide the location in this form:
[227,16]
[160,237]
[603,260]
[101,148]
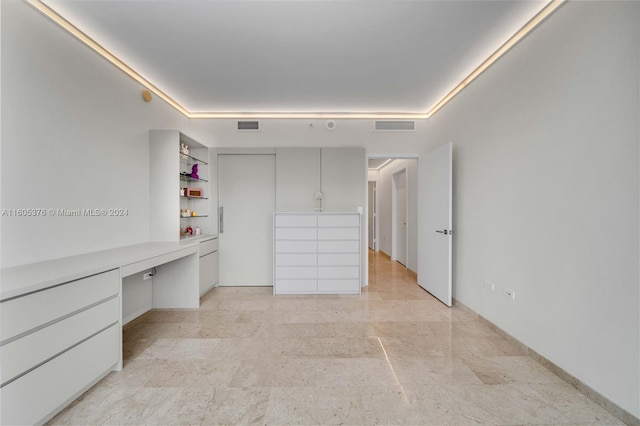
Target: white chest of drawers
[317,253]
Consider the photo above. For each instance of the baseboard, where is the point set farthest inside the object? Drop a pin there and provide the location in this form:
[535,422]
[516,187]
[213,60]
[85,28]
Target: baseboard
[613,408]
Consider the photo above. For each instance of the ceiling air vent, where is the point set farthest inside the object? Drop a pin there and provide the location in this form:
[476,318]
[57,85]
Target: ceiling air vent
[395,126]
[248,126]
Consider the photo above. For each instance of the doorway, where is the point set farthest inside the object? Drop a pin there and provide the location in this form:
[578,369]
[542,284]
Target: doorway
[372,215]
[399,219]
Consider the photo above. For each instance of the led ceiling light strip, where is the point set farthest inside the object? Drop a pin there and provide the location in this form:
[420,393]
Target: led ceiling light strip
[526,29]
[311,115]
[73,30]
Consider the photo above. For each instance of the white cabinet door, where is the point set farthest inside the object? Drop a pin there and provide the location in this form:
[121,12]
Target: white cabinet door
[297,179]
[247,202]
[208,271]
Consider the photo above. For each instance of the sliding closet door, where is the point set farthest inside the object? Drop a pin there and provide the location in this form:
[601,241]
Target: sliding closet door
[247,202]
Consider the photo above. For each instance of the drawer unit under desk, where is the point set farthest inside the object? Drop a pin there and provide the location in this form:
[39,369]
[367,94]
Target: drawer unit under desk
[41,393]
[24,313]
[207,247]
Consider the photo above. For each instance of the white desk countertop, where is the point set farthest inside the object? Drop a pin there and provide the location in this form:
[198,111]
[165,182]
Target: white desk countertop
[24,279]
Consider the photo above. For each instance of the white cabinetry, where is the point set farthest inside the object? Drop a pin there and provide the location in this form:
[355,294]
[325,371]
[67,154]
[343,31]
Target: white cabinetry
[317,253]
[56,342]
[208,252]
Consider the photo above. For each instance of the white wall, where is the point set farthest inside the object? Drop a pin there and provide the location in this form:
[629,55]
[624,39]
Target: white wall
[385,201]
[546,200]
[74,136]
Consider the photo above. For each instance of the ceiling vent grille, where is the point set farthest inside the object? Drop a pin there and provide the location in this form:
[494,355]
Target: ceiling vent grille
[395,126]
[248,126]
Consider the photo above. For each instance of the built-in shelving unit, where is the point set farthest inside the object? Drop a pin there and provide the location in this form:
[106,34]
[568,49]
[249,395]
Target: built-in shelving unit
[171,172]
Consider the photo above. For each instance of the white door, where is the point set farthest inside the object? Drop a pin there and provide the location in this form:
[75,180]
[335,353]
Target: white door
[435,222]
[372,215]
[400,235]
[246,202]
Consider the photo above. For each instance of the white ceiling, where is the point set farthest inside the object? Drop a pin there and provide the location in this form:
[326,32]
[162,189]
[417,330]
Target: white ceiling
[301,56]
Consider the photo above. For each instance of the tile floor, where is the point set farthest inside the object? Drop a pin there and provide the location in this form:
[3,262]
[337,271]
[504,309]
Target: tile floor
[393,355]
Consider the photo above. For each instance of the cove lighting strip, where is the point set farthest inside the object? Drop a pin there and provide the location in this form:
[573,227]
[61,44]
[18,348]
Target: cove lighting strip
[77,33]
[526,29]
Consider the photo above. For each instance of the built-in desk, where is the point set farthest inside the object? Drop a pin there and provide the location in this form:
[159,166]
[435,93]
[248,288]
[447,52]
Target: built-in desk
[61,320]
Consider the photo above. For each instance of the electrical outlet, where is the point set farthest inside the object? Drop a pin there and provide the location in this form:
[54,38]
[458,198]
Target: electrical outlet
[509,293]
[489,285]
[147,275]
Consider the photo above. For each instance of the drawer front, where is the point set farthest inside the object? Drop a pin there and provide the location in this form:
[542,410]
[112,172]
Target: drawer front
[208,271]
[296,260]
[208,246]
[338,272]
[338,220]
[296,246]
[339,286]
[41,392]
[34,348]
[338,233]
[295,286]
[338,246]
[296,272]
[344,259]
[27,312]
[296,234]
[296,221]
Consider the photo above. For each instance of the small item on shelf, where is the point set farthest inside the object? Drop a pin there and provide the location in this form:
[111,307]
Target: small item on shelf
[194,214]
[188,230]
[185,213]
[198,232]
[193,192]
[181,232]
[194,171]
[183,192]
[184,150]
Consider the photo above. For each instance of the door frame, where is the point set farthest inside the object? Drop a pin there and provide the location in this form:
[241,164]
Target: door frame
[394,215]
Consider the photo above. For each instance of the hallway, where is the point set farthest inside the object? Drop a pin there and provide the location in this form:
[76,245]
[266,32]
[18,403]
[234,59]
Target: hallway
[393,355]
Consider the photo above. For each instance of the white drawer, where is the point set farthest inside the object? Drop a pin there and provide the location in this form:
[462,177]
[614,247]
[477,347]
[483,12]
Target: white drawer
[206,247]
[338,233]
[339,286]
[338,220]
[34,348]
[338,272]
[296,259]
[295,286]
[296,246]
[296,234]
[344,259]
[208,266]
[33,310]
[296,220]
[41,392]
[338,246]
[296,272]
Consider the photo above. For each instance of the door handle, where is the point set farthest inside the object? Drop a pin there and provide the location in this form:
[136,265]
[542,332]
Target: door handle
[221,220]
[445,232]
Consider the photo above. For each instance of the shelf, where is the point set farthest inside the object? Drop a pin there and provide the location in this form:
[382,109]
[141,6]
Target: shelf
[187,178]
[192,217]
[188,157]
[193,198]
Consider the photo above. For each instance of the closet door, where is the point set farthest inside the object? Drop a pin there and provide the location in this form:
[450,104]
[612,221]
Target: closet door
[247,202]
